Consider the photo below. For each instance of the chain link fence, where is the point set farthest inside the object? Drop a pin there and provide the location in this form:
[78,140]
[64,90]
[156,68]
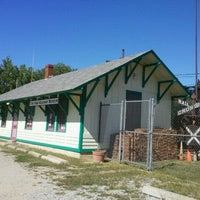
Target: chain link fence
[129,130]
[117,124]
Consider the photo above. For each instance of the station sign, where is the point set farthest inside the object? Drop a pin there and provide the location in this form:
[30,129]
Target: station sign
[43,102]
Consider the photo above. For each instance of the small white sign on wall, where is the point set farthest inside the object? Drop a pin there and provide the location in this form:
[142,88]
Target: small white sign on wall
[44,102]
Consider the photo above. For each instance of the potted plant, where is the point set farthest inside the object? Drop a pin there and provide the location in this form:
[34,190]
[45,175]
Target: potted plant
[98,154]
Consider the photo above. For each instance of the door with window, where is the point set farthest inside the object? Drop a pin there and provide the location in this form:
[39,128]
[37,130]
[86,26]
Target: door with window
[133,110]
[14,125]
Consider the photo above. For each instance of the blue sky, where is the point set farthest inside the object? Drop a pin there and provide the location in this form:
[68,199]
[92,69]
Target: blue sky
[82,33]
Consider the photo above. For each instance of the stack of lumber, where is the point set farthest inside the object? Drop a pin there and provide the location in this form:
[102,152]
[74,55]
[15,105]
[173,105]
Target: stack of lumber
[135,143]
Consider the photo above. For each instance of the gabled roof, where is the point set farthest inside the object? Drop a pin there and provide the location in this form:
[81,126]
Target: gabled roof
[76,79]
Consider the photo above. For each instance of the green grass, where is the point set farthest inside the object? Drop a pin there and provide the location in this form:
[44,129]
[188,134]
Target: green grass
[176,176]
[180,177]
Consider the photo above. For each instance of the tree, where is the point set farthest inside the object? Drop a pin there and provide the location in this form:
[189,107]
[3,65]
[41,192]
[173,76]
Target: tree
[11,76]
[8,75]
[59,68]
[24,75]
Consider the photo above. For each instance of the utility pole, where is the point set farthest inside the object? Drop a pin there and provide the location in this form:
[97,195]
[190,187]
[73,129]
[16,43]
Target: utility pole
[196,49]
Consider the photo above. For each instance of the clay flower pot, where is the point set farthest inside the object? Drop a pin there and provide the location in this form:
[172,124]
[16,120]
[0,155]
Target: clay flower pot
[98,155]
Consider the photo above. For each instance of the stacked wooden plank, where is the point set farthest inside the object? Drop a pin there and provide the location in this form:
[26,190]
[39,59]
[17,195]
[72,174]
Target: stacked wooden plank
[164,142]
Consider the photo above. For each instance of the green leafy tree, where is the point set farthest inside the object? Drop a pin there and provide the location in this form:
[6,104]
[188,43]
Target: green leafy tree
[24,75]
[59,68]
[8,75]
[38,74]
[11,76]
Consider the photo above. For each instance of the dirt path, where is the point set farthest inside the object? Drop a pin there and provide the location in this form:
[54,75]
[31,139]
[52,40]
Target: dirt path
[18,183]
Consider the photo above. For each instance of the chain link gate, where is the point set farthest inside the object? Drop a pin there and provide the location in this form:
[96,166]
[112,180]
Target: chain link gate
[127,129]
[117,123]
[135,144]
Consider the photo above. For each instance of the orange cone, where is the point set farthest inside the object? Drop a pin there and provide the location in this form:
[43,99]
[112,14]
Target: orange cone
[189,156]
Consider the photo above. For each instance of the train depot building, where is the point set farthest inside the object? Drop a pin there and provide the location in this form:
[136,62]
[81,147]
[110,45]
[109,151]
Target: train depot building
[62,111]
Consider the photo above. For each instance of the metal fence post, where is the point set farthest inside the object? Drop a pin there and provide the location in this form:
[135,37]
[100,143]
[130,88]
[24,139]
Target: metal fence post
[122,130]
[150,132]
[120,133]
[124,125]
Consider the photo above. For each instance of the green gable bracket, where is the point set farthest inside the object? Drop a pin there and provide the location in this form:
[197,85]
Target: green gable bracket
[109,85]
[92,90]
[50,108]
[72,101]
[10,111]
[17,105]
[129,74]
[63,109]
[167,85]
[42,109]
[28,108]
[153,67]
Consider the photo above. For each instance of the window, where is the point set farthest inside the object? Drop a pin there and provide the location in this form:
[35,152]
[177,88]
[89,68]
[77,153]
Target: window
[29,113]
[56,115]
[62,113]
[61,118]
[29,121]
[50,121]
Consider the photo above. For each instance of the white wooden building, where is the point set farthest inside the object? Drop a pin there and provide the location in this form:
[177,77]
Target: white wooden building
[63,111]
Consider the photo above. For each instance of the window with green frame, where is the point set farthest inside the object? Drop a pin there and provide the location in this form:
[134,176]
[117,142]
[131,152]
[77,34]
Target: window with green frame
[4,113]
[57,115]
[51,117]
[29,113]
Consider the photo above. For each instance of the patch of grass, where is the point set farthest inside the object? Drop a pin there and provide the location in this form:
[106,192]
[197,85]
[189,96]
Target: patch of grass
[181,177]
[176,176]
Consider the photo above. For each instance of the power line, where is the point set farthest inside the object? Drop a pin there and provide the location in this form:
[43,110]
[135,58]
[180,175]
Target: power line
[186,74]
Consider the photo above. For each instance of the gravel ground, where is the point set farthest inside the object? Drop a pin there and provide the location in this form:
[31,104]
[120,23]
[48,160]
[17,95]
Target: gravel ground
[17,182]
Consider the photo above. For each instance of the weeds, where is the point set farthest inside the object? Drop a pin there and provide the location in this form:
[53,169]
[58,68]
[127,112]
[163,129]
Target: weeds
[180,177]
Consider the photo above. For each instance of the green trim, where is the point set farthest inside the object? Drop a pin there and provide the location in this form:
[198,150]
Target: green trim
[87,150]
[102,76]
[180,96]
[49,145]
[42,109]
[161,94]
[113,70]
[5,137]
[173,76]
[92,90]
[133,92]
[50,108]
[82,115]
[72,101]
[10,111]
[144,78]
[17,105]
[109,85]
[56,123]
[63,109]
[128,75]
